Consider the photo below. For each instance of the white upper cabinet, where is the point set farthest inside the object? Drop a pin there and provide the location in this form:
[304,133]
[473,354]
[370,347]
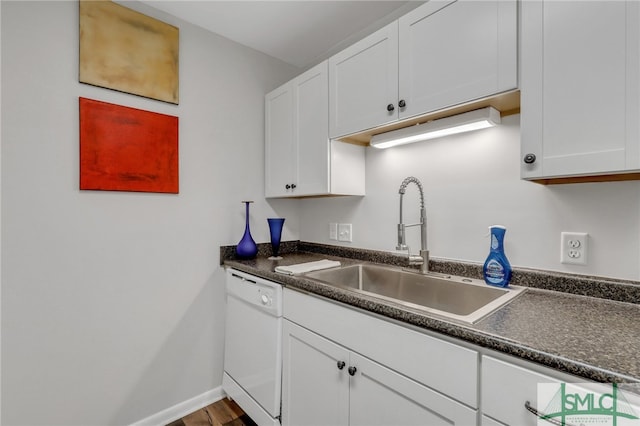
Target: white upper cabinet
[453,52]
[299,158]
[580,88]
[441,54]
[363,83]
[311,127]
[280,149]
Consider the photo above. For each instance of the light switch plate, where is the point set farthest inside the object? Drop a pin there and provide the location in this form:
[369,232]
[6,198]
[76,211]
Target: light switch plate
[333,231]
[345,232]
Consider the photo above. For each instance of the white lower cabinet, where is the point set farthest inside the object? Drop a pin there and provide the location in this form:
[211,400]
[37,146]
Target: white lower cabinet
[346,366]
[343,366]
[380,396]
[488,421]
[326,384]
[506,387]
[315,391]
[509,383]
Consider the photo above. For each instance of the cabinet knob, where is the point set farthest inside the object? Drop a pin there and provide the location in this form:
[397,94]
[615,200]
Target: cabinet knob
[293,186]
[390,107]
[287,186]
[341,365]
[530,158]
[402,103]
[352,371]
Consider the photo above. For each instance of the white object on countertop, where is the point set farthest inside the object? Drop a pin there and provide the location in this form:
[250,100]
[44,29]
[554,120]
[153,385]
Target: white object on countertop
[301,268]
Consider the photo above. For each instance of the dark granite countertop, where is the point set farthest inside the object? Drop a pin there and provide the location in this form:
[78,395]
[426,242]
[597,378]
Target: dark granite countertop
[592,337]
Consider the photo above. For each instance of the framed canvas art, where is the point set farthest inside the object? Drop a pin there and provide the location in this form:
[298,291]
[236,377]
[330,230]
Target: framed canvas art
[127,149]
[124,50]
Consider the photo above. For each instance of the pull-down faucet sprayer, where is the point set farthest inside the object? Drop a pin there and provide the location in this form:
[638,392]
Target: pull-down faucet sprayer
[423,259]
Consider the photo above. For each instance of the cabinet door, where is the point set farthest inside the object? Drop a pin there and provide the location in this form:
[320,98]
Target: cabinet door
[488,421]
[311,124]
[506,388]
[314,390]
[380,396]
[579,83]
[453,52]
[363,81]
[280,149]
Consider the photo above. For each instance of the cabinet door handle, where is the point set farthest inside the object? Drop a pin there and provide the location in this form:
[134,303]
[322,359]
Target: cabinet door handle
[293,186]
[543,416]
[287,186]
[529,158]
[341,365]
[390,107]
[352,371]
[402,103]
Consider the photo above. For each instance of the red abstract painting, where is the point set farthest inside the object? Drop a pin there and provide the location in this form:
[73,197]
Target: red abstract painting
[127,149]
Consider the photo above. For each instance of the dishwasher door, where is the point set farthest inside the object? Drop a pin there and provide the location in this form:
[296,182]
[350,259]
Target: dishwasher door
[253,351]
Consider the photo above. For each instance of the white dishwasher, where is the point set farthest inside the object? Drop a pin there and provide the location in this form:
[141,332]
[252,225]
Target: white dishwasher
[253,346]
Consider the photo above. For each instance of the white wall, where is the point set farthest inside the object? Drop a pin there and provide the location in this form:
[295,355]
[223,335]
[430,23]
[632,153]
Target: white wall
[472,181]
[113,303]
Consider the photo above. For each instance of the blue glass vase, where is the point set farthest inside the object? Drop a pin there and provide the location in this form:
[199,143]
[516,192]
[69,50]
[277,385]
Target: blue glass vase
[275,228]
[247,248]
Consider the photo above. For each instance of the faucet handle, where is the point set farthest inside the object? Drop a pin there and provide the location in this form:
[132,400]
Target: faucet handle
[402,245]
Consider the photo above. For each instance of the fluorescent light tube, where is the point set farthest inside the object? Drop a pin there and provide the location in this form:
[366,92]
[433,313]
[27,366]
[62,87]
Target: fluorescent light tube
[466,122]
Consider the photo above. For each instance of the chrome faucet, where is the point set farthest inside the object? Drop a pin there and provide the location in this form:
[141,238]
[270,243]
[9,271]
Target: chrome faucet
[423,258]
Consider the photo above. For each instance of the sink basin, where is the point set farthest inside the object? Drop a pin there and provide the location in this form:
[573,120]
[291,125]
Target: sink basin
[457,298]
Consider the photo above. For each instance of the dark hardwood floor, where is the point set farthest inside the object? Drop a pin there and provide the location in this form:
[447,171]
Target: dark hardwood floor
[222,413]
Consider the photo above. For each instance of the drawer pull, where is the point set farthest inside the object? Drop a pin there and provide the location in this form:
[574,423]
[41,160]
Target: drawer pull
[543,416]
[341,365]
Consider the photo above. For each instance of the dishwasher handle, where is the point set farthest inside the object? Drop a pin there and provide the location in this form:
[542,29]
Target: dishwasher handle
[243,278]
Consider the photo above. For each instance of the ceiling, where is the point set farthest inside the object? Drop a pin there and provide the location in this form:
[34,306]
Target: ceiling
[301,33]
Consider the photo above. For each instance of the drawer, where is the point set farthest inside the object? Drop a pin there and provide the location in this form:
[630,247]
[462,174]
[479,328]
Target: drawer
[506,387]
[440,365]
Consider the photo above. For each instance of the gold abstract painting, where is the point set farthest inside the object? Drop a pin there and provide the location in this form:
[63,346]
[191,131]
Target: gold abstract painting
[124,50]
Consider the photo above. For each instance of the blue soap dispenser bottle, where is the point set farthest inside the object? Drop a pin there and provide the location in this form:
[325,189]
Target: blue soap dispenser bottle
[497,269]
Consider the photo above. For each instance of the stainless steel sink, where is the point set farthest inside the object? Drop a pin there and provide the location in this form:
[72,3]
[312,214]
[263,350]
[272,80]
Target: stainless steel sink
[457,298]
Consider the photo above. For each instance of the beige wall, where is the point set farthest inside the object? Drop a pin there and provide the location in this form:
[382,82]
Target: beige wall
[113,303]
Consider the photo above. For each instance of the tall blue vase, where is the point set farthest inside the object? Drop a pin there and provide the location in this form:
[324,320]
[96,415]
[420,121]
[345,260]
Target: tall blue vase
[247,248]
[275,228]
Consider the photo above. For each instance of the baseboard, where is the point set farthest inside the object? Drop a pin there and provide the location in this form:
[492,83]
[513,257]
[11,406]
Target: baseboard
[182,409]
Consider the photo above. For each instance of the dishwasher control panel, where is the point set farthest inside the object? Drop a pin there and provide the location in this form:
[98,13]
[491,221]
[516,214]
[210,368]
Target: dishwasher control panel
[255,291]
[266,298]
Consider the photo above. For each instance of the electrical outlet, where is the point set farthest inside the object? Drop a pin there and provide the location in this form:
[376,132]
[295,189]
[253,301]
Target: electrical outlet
[345,232]
[573,248]
[333,231]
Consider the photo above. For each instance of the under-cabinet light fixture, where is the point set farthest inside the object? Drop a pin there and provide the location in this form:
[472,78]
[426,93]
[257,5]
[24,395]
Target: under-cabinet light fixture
[465,122]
